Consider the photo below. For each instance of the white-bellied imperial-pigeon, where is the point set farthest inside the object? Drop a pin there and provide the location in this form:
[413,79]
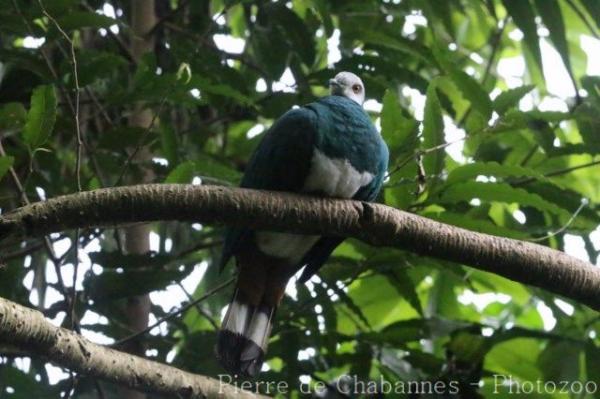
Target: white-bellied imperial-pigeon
[326,148]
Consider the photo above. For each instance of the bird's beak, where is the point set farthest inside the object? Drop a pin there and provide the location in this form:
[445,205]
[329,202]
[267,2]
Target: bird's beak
[334,83]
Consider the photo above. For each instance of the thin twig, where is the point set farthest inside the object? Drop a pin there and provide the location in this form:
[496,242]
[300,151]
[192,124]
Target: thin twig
[22,252]
[419,153]
[175,313]
[78,151]
[198,308]
[77,90]
[557,173]
[529,155]
[47,242]
[100,107]
[584,203]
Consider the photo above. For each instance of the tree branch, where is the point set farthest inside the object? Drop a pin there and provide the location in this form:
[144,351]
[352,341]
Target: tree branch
[375,224]
[27,329]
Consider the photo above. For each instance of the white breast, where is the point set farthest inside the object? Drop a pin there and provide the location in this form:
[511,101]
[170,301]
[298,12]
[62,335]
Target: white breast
[332,176]
[291,247]
[335,177]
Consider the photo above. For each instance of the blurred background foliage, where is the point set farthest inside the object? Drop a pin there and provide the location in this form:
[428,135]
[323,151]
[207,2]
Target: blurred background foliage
[490,109]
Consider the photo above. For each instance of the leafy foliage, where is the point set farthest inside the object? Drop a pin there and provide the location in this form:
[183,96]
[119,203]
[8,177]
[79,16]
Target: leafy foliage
[470,145]
[41,117]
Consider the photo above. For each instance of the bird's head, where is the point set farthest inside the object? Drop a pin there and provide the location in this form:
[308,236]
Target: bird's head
[347,84]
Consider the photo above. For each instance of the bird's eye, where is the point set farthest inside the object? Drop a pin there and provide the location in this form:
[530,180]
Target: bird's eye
[356,88]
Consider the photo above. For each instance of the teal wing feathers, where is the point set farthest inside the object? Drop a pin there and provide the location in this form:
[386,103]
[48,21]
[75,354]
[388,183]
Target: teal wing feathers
[280,163]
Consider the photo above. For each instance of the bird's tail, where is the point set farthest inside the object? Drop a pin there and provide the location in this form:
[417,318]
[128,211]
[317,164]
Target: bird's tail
[244,334]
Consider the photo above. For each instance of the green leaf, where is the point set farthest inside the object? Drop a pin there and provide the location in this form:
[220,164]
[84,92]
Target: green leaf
[559,361]
[58,7]
[12,116]
[480,224]
[406,288]
[468,86]
[5,164]
[535,120]
[41,116]
[95,66]
[398,43]
[524,17]
[324,11]
[300,39]
[441,11]
[552,17]
[567,199]
[275,105]
[472,170]
[399,132]
[592,85]
[168,140]
[205,167]
[26,386]
[401,332]
[433,132]
[588,122]
[501,192]
[468,347]
[85,19]
[373,295]
[111,285]
[592,8]
[236,20]
[510,98]
[442,299]
[183,173]
[515,357]
[472,90]
[267,42]
[349,303]
[401,135]
[592,361]
[219,89]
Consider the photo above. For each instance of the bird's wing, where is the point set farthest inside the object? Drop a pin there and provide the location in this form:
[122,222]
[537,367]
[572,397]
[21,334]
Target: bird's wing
[319,253]
[370,191]
[281,162]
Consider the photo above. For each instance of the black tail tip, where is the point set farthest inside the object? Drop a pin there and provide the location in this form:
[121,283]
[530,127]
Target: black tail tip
[239,355]
[229,347]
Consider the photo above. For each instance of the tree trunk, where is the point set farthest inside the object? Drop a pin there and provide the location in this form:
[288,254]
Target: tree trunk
[137,238]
